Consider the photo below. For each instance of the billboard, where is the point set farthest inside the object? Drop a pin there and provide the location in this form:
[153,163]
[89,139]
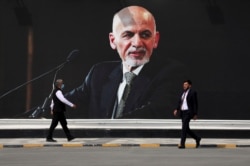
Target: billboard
[205,41]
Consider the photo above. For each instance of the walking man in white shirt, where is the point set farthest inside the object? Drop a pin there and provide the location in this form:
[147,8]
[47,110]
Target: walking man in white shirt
[58,107]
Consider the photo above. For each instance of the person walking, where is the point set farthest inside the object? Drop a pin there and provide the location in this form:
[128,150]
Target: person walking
[58,107]
[187,108]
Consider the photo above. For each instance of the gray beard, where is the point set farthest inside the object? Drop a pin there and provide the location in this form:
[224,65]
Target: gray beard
[135,63]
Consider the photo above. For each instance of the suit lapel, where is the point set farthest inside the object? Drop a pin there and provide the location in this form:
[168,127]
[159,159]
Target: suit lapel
[189,94]
[140,83]
[109,91]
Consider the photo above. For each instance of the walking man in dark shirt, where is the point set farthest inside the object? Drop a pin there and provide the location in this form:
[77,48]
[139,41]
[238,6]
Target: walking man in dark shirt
[187,108]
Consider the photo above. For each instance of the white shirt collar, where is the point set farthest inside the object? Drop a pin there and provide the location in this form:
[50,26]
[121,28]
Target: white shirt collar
[136,71]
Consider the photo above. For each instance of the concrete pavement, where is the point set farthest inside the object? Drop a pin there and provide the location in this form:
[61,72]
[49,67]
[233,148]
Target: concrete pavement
[121,142]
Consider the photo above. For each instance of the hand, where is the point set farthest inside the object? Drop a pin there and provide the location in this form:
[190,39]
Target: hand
[175,112]
[51,112]
[74,106]
[195,117]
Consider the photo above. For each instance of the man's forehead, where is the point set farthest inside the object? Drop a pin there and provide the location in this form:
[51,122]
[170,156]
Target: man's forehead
[132,16]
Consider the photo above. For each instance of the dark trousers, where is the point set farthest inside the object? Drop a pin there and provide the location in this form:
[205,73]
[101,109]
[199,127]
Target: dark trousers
[58,117]
[186,117]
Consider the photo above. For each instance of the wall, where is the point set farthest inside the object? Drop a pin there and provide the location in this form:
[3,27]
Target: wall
[213,43]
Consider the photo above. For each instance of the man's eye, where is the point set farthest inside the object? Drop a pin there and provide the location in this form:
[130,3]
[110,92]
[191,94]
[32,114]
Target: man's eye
[128,35]
[146,35]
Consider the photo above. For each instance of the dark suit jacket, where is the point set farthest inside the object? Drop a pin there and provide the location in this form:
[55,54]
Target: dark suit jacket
[152,94]
[192,102]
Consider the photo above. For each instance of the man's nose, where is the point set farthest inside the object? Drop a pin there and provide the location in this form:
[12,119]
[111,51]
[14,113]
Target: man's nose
[137,41]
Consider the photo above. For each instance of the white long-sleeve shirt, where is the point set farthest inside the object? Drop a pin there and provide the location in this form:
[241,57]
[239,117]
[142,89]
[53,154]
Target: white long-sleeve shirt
[61,97]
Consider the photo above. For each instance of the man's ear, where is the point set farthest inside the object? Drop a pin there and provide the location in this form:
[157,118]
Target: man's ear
[157,38]
[112,41]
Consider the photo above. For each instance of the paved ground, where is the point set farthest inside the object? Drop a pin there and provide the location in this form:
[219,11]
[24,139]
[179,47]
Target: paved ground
[124,156]
[122,142]
[114,151]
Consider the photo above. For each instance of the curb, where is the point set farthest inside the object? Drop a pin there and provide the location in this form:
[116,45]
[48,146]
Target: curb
[72,145]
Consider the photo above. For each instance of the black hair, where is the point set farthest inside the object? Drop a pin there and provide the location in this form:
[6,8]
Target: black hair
[188,81]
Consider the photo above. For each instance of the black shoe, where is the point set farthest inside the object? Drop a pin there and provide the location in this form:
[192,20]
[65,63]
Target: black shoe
[71,138]
[50,140]
[198,142]
[181,147]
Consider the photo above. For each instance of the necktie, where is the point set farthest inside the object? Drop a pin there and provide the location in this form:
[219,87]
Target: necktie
[129,76]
